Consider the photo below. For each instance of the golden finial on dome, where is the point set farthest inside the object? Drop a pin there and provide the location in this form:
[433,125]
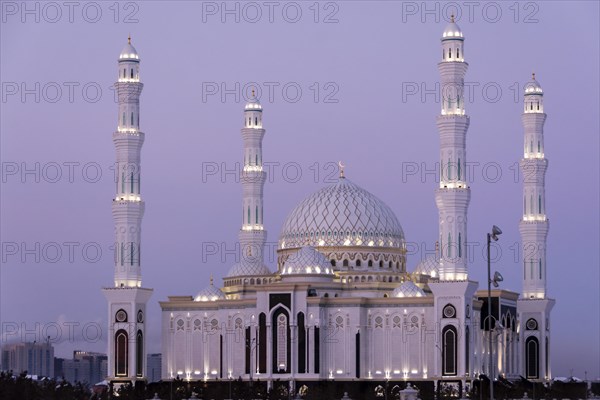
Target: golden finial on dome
[341,166]
[437,249]
[129,39]
[533,76]
[451,18]
[211,280]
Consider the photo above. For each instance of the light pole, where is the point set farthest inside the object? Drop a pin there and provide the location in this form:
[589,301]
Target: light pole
[497,278]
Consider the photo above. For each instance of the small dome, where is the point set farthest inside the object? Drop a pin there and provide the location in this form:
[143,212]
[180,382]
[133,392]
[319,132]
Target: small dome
[408,289]
[452,31]
[248,269]
[129,52]
[533,86]
[253,104]
[307,261]
[430,266]
[210,293]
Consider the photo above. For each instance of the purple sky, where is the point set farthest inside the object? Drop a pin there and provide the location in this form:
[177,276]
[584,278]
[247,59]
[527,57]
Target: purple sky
[367,61]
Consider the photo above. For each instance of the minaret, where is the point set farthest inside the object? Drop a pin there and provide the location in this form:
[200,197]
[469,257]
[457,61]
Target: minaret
[453,293]
[252,236]
[534,225]
[452,197]
[127,299]
[534,306]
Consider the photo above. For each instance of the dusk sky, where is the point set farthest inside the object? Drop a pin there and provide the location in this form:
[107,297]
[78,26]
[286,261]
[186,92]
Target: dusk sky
[350,81]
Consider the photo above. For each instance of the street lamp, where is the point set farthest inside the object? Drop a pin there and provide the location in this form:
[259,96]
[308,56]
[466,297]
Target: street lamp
[497,278]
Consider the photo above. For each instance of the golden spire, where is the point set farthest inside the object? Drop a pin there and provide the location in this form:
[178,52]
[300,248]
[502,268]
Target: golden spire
[437,249]
[533,76]
[451,18]
[129,39]
[211,280]
[341,166]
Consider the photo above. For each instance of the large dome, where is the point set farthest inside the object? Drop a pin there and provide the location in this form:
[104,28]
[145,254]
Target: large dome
[342,214]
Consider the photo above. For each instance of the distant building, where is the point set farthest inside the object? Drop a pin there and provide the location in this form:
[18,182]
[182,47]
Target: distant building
[153,365]
[85,367]
[35,358]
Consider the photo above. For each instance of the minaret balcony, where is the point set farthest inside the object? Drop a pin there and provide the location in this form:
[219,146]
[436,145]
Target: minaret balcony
[534,218]
[129,80]
[128,197]
[534,155]
[253,227]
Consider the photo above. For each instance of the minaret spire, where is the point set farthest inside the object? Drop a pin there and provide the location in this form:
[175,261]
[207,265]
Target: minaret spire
[252,235]
[453,195]
[127,299]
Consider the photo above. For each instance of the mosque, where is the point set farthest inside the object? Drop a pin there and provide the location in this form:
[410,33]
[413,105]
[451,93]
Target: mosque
[343,304]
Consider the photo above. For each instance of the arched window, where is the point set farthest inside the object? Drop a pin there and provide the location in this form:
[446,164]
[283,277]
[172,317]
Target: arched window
[539,204]
[532,358]
[449,164]
[262,343]
[248,220]
[390,264]
[539,147]
[301,344]
[281,342]
[333,263]
[124,72]
[531,204]
[459,245]
[131,73]
[124,120]
[449,367]
[256,121]
[121,353]
[540,267]
[457,53]
[370,263]
[256,216]
[131,118]
[524,204]
[345,263]
[139,351]
[449,246]
[449,53]
[358,263]
[381,264]
[459,170]
[443,54]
